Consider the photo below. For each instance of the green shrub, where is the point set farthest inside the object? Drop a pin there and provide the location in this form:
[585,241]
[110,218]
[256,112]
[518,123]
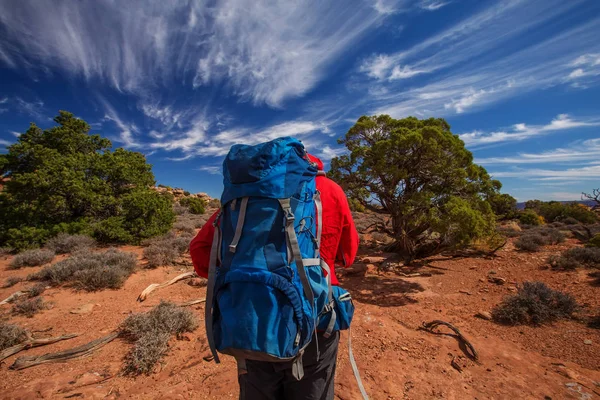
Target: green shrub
[186,193]
[356,205]
[31,258]
[529,217]
[64,243]
[557,211]
[194,204]
[90,271]
[11,335]
[536,304]
[586,257]
[151,332]
[28,307]
[63,179]
[594,242]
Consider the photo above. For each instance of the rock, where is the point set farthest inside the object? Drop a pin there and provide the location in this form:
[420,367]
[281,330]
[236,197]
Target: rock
[373,260]
[481,280]
[359,269]
[484,315]
[511,289]
[465,292]
[497,280]
[197,282]
[84,309]
[492,272]
[587,341]
[404,348]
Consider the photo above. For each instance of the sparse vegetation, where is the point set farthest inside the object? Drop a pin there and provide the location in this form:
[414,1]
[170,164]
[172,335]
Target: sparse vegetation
[214,203]
[63,179]
[194,204]
[28,307]
[178,209]
[578,257]
[535,304]
[11,335]
[36,290]
[151,333]
[533,239]
[32,258]
[12,281]
[64,243]
[90,271]
[165,250]
[185,226]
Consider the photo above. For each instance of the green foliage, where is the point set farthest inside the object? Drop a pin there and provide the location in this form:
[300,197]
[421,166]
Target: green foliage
[423,176]
[194,204]
[595,241]
[530,217]
[535,304]
[503,205]
[63,179]
[557,211]
[356,205]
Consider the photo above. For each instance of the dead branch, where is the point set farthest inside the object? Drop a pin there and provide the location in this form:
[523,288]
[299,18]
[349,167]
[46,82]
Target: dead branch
[156,286]
[77,352]
[469,350]
[191,303]
[13,296]
[31,342]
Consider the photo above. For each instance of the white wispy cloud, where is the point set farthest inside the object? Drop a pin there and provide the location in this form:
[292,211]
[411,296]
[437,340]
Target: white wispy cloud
[211,169]
[581,151]
[432,5]
[264,51]
[3,100]
[15,133]
[488,57]
[33,108]
[4,142]
[127,129]
[586,70]
[579,174]
[522,131]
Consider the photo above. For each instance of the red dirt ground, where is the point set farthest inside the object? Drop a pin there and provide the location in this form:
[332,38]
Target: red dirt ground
[396,360]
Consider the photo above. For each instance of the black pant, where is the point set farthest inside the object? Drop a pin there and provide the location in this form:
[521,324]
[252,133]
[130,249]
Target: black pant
[274,381]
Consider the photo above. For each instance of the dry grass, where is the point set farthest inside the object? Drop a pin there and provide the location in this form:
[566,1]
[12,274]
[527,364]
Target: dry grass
[90,271]
[151,332]
[165,250]
[586,257]
[64,243]
[533,239]
[36,290]
[12,281]
[32,258]
[534,304]
[28,307]
[11,335]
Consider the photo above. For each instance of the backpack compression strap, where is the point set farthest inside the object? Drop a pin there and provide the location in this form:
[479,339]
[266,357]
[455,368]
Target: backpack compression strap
[355,367]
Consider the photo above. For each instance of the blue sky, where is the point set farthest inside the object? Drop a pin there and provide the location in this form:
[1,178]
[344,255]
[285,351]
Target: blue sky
[182,81]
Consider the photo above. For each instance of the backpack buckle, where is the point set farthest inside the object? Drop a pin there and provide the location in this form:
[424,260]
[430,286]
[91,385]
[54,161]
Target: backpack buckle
[289,215]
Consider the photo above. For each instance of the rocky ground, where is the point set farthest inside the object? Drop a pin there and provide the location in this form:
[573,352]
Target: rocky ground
[396,359]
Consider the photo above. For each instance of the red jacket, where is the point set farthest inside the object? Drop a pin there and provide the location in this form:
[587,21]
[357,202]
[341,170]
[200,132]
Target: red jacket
[339,240]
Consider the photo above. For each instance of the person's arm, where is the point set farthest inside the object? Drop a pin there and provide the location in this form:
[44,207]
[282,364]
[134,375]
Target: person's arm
[349,241]
[201,245]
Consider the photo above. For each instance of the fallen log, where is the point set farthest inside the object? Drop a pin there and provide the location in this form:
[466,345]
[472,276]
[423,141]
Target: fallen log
[191,303]
[465,345]
[31,342]
[13,296]
[156,286]
[77,352]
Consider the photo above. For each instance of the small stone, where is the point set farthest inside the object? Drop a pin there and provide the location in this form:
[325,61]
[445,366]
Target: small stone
[404,348]
[197,282]
[492,272]
[587,341]
[484,315]
[496,280]
[481,280]
[84,309]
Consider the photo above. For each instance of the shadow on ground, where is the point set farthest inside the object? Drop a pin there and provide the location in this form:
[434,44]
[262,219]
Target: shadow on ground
[381,291]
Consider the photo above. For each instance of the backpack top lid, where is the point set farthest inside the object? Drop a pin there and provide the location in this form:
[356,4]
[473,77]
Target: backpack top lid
[274,169]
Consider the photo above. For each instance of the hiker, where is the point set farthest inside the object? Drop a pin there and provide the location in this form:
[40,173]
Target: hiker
[338,246]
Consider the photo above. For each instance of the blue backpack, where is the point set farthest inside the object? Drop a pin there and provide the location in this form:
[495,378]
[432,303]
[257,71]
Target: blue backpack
[266,290]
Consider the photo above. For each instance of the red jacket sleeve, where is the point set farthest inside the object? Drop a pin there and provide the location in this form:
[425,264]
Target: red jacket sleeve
[201,245]
[348,247]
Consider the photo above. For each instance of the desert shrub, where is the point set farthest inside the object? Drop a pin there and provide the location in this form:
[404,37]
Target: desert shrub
[4,251]
[356,205]
[165,250]
[64,243]
[552,235]
[28,307]
[36,290]
[214,203]
[186,193]
[510,229]
[380,237]
[557,211]
[530,217]
[12,281]
[11,335]
[587,257]
[569,221]
[186,226]
[90,271]
[530,242]
[536,304]
[63,179]
[178,209]
[32,258]
[194,204]
[151,332]
[594,242]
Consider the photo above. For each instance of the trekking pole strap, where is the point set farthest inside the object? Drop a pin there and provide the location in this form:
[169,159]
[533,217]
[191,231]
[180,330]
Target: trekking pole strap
[293,242]
[210,287]
[363,392]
